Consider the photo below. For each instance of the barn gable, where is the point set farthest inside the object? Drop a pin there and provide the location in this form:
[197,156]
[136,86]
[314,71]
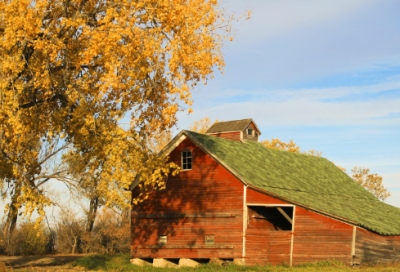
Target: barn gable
[308,181]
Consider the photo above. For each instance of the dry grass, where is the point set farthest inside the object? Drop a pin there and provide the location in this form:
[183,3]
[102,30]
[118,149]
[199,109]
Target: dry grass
[120,263]
[3,267]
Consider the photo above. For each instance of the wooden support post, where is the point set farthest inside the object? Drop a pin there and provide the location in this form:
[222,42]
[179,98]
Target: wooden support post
[244,222]
[353,245]
[284,214]
[292,238]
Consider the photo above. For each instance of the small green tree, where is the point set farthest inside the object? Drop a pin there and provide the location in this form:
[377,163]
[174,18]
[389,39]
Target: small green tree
[32,239]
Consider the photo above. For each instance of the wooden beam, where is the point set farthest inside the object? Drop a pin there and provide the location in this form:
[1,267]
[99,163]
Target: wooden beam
[187,246]
[284,214]
[185,215]
[245,215]
[292,238]
[353,245]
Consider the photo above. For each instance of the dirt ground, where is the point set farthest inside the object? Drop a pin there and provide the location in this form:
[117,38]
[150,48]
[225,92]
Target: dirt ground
[41,263]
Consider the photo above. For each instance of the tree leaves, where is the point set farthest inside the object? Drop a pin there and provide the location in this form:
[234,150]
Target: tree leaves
[371,182]
[73,69]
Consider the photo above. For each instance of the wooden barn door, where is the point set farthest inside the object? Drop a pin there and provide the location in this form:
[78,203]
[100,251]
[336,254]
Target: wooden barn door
[268,235]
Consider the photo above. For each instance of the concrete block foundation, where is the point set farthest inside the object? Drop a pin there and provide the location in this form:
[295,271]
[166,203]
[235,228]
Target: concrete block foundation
[166,263]
[188,263]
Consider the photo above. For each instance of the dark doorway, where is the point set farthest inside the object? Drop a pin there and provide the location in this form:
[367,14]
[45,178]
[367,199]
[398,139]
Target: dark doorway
[271,218]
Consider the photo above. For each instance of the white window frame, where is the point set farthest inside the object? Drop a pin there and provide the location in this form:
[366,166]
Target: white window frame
[252,130]
[191,163]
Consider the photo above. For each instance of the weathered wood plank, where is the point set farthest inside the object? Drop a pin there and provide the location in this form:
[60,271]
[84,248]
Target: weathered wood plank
[188,246]
[187,215]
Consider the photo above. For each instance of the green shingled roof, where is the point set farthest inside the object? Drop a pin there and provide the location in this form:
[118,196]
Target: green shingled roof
[308,180]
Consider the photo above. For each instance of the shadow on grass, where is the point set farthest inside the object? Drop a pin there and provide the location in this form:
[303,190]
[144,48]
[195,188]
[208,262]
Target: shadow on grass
[102,261]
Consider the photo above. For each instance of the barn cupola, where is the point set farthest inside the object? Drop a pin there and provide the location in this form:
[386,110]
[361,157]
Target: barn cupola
[236,130]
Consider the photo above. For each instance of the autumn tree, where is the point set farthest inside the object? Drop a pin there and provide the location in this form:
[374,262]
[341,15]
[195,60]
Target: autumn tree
[86,168]
[371,182]
[70,229]
[85,172]
[202,125]
[73,69]
[277,144]
[158,141]
[29,178]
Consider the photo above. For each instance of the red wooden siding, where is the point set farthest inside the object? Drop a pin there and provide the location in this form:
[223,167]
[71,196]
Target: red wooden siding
[264,245]
[254,197]
[206,189]
[371,247]
[235,136]
[316,237]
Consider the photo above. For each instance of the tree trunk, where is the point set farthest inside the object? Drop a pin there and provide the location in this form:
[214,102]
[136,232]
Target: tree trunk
[91,217]
[12,216]
[13,211]
[74,248]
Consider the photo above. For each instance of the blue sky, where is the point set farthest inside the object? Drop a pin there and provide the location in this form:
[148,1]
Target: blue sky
[323,73]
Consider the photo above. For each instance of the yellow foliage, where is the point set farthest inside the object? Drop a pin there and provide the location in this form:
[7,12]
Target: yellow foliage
[71,70]
[371,182]
[202,125]
[291,147]
[313,152]
[341,168]
[160,140]
[33,238]
[277,144]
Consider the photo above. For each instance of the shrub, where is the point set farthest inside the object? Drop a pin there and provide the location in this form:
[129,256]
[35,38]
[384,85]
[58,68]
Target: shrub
[32,241]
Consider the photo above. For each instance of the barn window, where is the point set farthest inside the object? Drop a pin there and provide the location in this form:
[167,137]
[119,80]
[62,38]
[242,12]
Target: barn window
[162,240]
[271,218]
[249,131]
[187,160]
[209,239]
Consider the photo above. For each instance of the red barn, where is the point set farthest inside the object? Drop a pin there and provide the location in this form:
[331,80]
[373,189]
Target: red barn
[237,200]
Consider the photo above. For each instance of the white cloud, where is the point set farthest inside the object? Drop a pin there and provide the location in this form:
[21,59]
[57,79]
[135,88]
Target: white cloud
[303,107]
[292,41]
[218,91]
[394,200]
[272,18]
[391,180]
